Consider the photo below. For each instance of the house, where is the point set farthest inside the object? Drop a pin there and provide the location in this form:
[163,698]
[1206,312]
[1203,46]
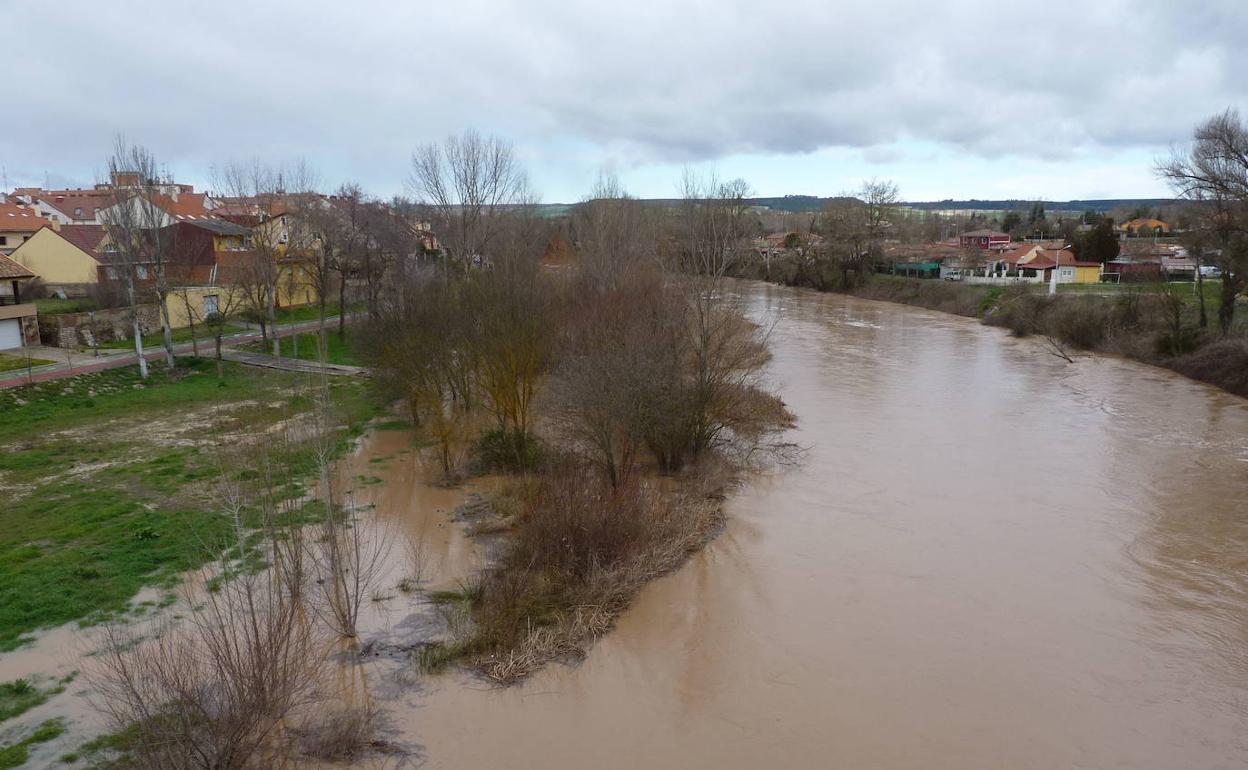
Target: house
[73,260]
[17,225]
[208,250]
[1038,265]
[1143,225]
[983,239]
[19,322]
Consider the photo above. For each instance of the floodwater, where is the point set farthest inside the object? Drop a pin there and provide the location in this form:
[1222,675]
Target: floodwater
[989,558]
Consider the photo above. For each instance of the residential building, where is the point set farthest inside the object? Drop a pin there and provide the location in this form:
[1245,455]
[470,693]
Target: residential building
[19,323]
[1040,263]
[73,260]
[17,225]
[1143,225]
[983,239]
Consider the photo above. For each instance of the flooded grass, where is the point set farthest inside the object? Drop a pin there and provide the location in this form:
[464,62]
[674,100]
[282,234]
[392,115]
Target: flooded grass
[23,694]
[17,754]
[107,481]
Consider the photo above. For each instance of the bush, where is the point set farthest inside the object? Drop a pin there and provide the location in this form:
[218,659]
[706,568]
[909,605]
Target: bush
[1082,321]
[580,549]
[508,450]
[1223,363]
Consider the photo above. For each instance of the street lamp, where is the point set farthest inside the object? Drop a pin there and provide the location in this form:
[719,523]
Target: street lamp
[1057,261]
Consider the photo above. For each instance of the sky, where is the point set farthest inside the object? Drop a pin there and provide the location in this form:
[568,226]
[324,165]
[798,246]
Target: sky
[957,99]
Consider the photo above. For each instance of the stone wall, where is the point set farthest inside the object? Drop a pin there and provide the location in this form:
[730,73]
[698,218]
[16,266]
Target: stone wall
[72,330]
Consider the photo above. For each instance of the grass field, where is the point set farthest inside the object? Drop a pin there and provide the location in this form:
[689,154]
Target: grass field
[304,347]
[108,480]
[305,313]
[10,362]
[155,339]
[51,306]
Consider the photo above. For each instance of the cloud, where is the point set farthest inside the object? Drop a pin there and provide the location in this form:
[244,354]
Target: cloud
[355,86]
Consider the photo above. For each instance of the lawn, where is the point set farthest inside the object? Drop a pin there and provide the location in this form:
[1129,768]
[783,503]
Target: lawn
[304,347]
[305,313]
[108,481]
[154,338]
[10,362]
[51,306]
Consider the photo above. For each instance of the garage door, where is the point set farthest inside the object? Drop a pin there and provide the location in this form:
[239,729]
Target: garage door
[10,334]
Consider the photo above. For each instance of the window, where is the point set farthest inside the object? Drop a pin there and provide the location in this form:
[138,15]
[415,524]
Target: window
[1068,272]
[141,271]
[210,305]
[4,240]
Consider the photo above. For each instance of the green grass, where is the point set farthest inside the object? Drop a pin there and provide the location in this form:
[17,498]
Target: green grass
[57,306]
[155,338]
[10,362]
[99,505]
[304,313]
[21,695]
[17,754]
[304,347]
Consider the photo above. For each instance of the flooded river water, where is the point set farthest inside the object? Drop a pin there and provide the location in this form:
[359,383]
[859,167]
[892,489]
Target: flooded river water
[989,558]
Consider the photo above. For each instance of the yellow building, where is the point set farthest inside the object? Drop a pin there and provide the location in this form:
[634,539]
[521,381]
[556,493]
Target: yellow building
[70,259]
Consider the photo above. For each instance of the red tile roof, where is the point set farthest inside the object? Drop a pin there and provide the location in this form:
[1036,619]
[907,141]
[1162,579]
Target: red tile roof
[14,218]
[11,271]
[85,237]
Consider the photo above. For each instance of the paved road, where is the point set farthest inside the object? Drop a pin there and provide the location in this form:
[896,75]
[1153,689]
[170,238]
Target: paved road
[82,363]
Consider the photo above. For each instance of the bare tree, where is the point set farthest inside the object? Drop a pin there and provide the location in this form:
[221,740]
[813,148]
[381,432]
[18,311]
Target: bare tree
[1214,172]
[616,234]
[347,557]
[213,691]
[127,224]
[469,182]
[269,199]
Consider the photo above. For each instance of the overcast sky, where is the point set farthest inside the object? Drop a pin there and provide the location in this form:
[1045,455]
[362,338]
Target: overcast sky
[956,99]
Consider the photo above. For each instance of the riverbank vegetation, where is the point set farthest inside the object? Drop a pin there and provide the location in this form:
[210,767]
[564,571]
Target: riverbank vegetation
[621,392]
[1195,328]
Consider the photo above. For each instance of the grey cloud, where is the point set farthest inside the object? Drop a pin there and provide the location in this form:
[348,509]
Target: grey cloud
[355,86]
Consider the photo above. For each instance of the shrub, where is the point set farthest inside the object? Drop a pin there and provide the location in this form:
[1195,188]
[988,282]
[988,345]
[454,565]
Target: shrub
[508,450]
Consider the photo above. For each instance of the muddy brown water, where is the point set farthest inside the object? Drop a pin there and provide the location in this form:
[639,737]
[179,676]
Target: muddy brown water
[989,558]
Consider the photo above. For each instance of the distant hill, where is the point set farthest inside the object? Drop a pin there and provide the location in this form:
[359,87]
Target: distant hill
[808,203]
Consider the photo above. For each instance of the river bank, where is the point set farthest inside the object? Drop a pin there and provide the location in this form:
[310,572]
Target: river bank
[1154,328]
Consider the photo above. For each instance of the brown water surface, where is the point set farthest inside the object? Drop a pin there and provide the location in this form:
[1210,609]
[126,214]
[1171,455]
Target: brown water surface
[988,559]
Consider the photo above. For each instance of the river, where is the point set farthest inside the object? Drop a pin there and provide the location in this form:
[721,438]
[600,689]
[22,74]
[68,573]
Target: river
[988,558]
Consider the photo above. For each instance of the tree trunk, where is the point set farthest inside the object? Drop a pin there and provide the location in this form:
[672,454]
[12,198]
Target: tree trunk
[1200,291]
[138,332]
[220,372]
[166,329]
[342,304]
[1226,313]
[277,337]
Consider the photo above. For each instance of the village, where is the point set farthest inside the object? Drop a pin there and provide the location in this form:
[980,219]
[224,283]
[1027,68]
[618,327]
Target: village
[1149,251]
[204,265]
